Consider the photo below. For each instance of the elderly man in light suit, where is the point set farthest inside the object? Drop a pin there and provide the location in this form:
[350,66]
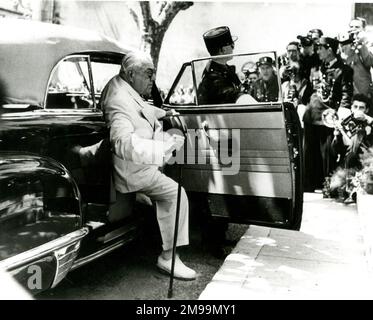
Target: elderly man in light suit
[139,148]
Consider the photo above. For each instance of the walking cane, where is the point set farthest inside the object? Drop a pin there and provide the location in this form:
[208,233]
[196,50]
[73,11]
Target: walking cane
[175,233]
[176,230]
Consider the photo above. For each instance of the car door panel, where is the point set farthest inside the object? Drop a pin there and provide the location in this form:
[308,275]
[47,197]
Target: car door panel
[264,156]
[244,158]
[262,190]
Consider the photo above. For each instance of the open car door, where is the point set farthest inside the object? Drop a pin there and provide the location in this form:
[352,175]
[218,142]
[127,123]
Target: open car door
[244,158]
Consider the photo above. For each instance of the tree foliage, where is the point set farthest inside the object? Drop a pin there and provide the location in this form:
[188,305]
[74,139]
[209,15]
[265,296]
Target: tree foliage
[153,20]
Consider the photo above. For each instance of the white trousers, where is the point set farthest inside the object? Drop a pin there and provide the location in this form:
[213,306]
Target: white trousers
[163,191]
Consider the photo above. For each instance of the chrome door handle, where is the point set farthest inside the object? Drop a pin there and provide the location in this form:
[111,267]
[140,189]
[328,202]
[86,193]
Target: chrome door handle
[179,124]
[205,128]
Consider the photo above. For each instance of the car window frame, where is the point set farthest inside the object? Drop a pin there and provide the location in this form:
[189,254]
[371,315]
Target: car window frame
[112,58]
[91,89]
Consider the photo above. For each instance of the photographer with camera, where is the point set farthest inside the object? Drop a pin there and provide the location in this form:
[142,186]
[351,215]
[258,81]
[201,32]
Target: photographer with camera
[251,74]
[292,56]
[309,58]
[357,27]
[358,127]
[297,89]
[360,59]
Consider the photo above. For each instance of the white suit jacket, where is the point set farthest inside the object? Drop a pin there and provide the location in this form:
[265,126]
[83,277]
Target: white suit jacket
[133,125]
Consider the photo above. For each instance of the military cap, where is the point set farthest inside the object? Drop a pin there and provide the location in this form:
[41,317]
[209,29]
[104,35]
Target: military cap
[265,60]
[218,37]
[329,43]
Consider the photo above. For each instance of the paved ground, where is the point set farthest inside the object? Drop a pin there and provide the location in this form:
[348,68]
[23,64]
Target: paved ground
[131,274]
[325,260]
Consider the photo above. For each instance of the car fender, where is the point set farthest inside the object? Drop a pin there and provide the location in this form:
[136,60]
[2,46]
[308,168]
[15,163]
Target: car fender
[40,219]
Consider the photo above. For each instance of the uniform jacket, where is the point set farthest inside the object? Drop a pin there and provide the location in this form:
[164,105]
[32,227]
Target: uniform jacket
[136,147]
[361,62]
[220,84]
[339,78]
[337,91]
[265,91]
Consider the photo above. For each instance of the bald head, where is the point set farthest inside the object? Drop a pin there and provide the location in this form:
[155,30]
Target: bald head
[138,70]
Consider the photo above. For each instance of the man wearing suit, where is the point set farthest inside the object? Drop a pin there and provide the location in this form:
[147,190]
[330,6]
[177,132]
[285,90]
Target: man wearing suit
[139,149]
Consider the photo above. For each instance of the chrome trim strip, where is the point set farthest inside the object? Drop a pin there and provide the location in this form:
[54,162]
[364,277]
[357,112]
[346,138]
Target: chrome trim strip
[63,269]
[118,233]
[82,261]
[234,55]
[73,253]
[38,252]
[93,92]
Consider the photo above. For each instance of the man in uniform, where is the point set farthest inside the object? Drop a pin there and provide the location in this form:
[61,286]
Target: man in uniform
[336,74]
[220,83]
[266,87]
[334,91]
[358,56]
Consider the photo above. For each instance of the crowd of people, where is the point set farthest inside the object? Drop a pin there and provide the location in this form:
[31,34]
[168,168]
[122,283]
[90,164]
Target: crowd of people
[320,73]
[317,73]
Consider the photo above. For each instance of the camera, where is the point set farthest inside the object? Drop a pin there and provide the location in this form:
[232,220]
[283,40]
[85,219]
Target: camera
[351,38]
[352,125]
[305,41]
[290,71]
[346,38]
